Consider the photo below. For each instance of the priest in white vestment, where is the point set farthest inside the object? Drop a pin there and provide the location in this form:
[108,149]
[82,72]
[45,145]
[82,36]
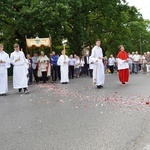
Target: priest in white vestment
[63,62]
[43,67]
[20,70]
[98,67]
[4,64]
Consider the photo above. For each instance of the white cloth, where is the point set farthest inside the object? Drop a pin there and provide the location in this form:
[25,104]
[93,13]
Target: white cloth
[63,61]
[20,70]
[122,64]
[3,72]
[87,59]
[91,64]
[98,68]
[147,68]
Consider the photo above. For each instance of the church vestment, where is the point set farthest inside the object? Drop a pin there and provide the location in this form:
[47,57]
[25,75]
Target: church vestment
[63,61]
[123,66]
[3,72]
[98,66]
[20,70]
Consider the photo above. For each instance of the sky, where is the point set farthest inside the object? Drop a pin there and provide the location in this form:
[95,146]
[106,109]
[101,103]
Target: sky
[143,6]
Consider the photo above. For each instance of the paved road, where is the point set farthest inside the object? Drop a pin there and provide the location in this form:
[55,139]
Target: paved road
[77,116]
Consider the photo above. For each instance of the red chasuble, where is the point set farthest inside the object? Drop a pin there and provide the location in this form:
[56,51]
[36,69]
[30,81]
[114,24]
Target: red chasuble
[123,55]
[123,67]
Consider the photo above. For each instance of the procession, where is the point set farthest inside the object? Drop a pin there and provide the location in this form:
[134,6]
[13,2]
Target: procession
[74,74]
[61,68]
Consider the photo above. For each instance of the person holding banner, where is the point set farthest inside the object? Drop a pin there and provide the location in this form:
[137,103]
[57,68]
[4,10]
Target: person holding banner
[98,67]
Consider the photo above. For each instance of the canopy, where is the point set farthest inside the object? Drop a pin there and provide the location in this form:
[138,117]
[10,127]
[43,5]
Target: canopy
[38,42]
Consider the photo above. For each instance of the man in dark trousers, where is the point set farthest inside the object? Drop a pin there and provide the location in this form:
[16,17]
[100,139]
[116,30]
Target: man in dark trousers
[86,65]
[71,67]
[35,67]
[53,62]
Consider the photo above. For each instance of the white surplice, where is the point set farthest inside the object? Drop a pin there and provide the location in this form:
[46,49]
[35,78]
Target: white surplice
[63,61]
[98,67]
[3,72]
[91,64]
[122,64]
[20,70]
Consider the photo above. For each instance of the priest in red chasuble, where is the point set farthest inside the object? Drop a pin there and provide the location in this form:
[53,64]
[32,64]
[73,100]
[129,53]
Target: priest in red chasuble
[123,65]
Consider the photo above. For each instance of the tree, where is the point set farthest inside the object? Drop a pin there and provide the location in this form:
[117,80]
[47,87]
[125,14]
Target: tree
[80,21]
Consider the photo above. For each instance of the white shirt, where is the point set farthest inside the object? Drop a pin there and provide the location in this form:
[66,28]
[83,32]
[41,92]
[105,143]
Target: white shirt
[130,59]
[77,63]
[136,57]
[111,61]
[82,63]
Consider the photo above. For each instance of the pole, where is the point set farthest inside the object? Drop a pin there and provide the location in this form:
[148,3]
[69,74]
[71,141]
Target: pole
[50,40]
[64,41]
[64,49]
[26,44]
[140,45]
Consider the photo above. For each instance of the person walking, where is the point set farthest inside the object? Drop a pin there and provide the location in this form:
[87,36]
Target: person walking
[43,67]
[111,63]
[20,69]
[4,65]
[71,67]
[30,70]
[98,68]
[54,67]
[35,67]
[123,65]
[63,63]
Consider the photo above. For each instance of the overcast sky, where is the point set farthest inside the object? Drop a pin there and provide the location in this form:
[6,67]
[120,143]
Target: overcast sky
[143,5]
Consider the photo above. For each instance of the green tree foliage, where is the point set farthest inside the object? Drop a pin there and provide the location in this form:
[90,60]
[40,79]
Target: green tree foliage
[80,21]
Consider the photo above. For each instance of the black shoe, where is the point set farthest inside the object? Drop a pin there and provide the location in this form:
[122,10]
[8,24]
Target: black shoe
[123,83]
[20,90]
[99,86]
[26,91]
[4,94]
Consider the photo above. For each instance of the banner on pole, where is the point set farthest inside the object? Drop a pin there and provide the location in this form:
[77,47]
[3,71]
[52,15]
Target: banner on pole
[38,42]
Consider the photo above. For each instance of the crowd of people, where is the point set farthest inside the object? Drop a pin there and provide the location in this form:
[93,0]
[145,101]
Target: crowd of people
[137,63]
[41,68]
[44,68]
